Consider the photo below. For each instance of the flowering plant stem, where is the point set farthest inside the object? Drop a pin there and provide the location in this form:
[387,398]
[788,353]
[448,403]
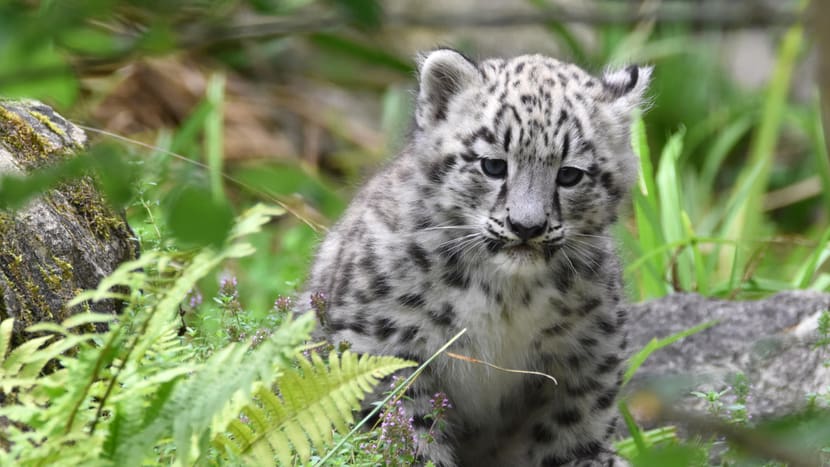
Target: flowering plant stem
[393,394]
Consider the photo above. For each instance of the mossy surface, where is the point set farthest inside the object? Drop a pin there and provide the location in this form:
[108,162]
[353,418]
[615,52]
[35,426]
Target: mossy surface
[66,240]
[31,149]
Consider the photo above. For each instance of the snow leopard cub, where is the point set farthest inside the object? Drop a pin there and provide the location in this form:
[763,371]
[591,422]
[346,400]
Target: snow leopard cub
[495,218]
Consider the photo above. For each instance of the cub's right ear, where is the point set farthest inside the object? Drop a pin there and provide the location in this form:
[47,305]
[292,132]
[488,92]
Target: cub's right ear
[443,74]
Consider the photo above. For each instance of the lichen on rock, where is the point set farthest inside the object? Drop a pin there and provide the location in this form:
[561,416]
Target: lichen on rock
[65,240]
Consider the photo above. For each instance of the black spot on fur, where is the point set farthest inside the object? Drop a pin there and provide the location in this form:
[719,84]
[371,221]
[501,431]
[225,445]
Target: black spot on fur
[609,363]
[622,317]
[361,297]
[383,328]
[608,183]
[606,399]
[438,170]
[380,287]
[568,417]
[455,277]
[420,421]
[469,156]
[526,298]
[344,284]
[589,385]
[506,140]
[358,324]
[558,329]
[542,434]
[608,328]
[444,316]
[564,280]
[588,450]
[412,300]
[367,263]
[419,256]
[566,146]
[563,116]
[574,361]
[423,221]
[408,334]
[335,325]
[588,342]
[482,133]
[408,356]
[554,461]
[589,306]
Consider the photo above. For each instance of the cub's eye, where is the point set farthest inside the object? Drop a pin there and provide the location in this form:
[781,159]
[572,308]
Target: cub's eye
[496,168]
[569,176]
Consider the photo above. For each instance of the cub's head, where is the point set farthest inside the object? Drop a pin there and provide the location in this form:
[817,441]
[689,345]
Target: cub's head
[523,157]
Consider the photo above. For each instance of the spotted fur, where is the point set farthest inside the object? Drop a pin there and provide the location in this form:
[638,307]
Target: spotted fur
[495,218]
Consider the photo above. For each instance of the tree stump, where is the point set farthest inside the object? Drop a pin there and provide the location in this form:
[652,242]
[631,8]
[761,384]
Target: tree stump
[65,240]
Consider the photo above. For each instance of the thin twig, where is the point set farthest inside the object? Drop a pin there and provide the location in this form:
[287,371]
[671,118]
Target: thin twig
[496,367]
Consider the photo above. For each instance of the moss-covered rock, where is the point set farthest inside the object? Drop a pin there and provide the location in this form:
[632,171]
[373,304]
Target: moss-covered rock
[67,239]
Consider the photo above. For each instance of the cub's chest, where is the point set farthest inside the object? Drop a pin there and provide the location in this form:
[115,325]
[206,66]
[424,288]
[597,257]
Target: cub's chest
[498,335]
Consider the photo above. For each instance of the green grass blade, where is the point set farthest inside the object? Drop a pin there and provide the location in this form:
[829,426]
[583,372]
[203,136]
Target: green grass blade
[633,429]
[671,209]
[725,141]
[822,158]
[637,360]
[743,218]
[647,215]
[805,275]
[214,140]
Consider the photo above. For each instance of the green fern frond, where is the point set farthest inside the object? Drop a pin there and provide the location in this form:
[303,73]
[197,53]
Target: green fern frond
[313,400]
[123,395]
[187,412]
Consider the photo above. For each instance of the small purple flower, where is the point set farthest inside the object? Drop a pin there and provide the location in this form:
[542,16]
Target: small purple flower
[397,433]
[228,285]
[440,401]
[259,337]
[319,302]
[283,304]
[195,298]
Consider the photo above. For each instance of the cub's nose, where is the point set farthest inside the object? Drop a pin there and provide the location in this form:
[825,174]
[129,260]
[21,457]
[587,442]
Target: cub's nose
[526,232]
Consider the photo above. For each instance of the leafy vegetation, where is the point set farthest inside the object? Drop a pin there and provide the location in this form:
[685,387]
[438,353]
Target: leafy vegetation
[727,206]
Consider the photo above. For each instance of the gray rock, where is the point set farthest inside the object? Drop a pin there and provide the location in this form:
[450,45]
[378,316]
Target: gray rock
[65,240]
[770,341]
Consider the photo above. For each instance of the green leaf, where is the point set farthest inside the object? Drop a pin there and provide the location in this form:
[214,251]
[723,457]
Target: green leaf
[116,178]
[85,318]
[16,190]
[365,14]
[6,328]
[196,217]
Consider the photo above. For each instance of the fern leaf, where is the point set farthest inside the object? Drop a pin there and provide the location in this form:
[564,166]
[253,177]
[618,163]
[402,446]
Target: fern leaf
[16,359]
[312,400]
[188,413]
[86,318]
[34,363]
[6,328]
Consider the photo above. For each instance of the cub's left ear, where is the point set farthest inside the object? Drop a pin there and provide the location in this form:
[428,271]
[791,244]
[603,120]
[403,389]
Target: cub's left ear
[628,84]
[444,74]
